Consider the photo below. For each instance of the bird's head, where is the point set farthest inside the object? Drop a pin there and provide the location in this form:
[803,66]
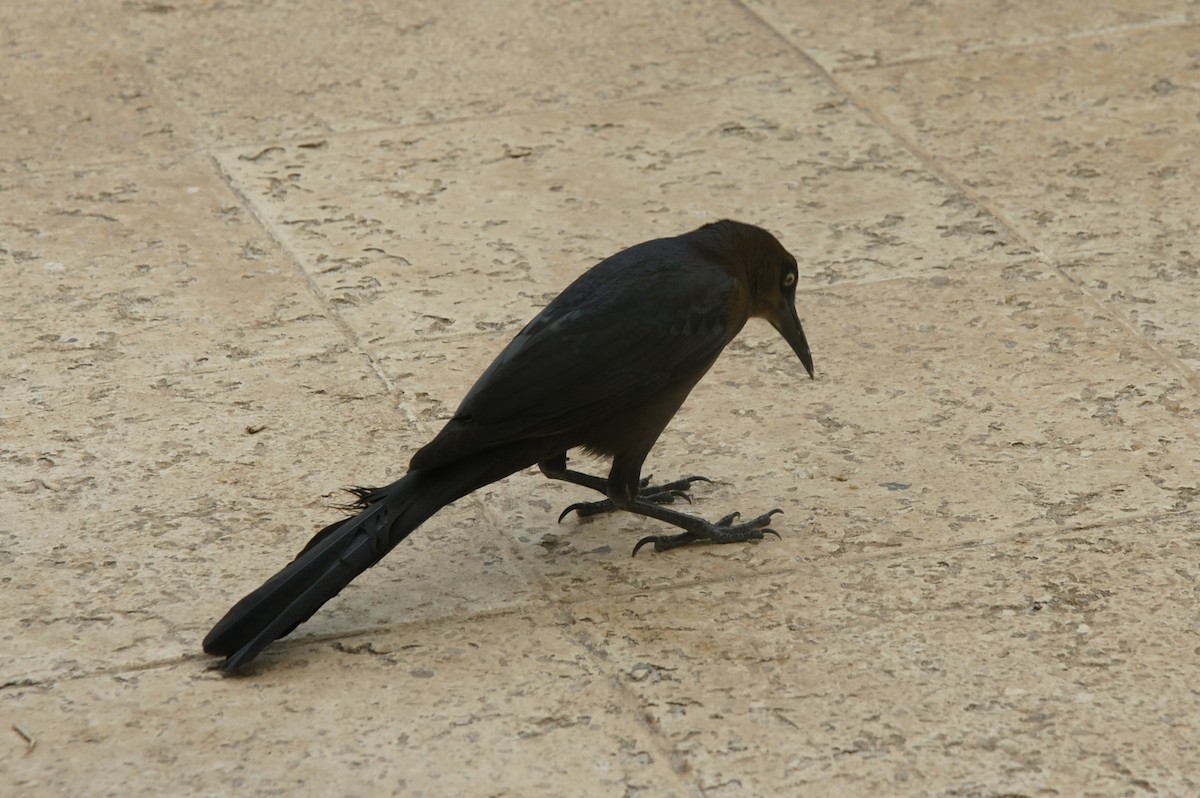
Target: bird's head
[770,273]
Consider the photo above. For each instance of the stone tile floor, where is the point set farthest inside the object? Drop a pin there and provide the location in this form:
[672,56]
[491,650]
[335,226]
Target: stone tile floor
[252,253]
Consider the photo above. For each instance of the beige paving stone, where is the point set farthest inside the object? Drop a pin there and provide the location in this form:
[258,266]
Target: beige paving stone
[475,225]
[134,515]
[1057,664]
[73,93]
[142,269]
[1089,147]
[260,71]
[947,411]
[504,706]
[861,34]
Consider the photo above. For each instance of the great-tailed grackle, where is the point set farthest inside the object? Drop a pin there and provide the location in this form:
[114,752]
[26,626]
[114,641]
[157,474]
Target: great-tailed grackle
[604,367]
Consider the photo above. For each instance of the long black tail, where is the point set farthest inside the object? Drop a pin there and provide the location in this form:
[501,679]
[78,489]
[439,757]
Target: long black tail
[337,554]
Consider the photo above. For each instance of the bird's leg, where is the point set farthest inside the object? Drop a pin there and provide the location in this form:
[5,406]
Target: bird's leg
[624,496]
[556,468]
[666,493]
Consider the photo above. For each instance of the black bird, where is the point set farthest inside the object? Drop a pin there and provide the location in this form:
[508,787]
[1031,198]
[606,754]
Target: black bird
[603,367]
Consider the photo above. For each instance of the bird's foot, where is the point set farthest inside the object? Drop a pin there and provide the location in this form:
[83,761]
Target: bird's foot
[666,493]
[724,531]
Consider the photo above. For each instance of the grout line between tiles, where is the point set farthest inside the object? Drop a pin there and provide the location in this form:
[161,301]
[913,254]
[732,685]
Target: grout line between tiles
[350,334]
[1165,23]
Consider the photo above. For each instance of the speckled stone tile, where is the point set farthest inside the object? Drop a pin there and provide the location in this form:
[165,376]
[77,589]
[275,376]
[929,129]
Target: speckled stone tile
[135,514]
[264,70]
[138,270]
[947,410]
[866,33]
[1089,148]
[1058,664]
[473,226]
[73,93]
[504,706]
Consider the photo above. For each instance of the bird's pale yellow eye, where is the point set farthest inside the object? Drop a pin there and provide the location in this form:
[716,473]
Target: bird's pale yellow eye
[789,280]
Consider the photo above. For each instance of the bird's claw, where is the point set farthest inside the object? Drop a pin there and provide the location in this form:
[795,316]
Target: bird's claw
[686,482]
[658,494]
[681,484]
[585,509]
[722,531]
[657,540]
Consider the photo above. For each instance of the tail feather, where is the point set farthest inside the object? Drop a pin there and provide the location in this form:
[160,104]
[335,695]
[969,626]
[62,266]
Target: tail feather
[330,561]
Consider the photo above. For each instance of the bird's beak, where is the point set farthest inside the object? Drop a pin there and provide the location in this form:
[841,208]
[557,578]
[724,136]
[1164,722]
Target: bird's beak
[787,323]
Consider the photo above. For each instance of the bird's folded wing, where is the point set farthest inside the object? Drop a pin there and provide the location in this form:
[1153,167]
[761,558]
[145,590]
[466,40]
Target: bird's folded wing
[590,354]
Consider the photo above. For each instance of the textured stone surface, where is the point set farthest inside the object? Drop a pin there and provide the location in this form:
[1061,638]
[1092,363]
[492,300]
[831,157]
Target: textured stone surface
[255,253]
[74,91]
[142,269]
[277,69]
[468,227]
[1034,665]
[503,705]
[1104,183]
